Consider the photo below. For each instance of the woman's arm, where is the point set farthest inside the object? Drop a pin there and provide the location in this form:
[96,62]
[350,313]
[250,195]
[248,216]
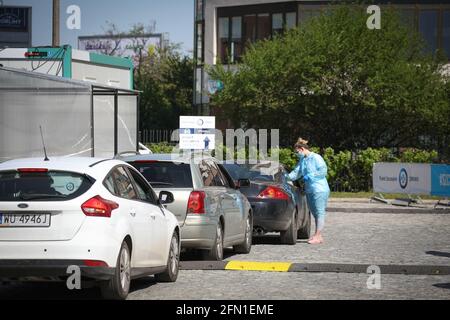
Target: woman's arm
[295,174]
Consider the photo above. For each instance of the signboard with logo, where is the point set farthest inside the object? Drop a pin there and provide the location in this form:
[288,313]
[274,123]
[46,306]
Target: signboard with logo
[440,180]
[197,133]
[14,19]
[406,178]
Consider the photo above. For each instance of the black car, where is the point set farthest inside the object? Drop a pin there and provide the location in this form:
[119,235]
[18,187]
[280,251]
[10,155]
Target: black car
[278,205]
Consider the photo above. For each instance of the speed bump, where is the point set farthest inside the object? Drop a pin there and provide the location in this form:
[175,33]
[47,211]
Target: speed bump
[258,266]
[233,265]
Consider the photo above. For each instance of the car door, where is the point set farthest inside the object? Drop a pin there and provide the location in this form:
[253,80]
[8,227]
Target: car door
[239,212]
[229,204]
[149,209]
[140,219]
[214,191]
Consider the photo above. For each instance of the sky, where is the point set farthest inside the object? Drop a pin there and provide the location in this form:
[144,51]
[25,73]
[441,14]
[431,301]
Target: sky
[172,16]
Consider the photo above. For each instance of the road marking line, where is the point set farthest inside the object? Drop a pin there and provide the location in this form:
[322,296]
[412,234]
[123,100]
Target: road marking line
[258,266]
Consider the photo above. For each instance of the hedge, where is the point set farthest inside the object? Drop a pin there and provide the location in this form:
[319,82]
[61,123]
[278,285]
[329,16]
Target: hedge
[349,171]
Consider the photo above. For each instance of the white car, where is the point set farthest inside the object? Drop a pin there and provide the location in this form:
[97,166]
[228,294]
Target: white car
[98,215]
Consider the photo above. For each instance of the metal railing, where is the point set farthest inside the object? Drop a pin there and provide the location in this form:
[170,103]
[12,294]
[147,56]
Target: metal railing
[156,136]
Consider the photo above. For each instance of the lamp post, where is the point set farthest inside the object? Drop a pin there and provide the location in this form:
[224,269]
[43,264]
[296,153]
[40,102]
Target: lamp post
[56,22]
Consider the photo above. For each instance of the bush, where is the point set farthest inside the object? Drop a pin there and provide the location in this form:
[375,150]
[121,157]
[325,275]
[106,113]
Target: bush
[162,147]
[347,171]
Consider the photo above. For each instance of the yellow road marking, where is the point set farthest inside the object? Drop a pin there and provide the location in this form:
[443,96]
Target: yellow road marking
[258,266]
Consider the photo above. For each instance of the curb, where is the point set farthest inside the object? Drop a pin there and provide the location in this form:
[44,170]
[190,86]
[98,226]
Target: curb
[434,270]
[389,210]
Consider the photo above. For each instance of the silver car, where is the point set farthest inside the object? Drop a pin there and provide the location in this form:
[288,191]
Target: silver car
[212,213]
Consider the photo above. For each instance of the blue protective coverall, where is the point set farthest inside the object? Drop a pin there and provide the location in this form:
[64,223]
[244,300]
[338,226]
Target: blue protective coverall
[313,169]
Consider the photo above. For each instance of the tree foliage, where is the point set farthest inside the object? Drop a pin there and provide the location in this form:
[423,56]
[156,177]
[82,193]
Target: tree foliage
[164,75]
[165,78]
[341,85]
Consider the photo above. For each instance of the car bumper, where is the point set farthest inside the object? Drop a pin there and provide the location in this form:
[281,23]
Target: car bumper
[198,232]
[51,270]
[271,215]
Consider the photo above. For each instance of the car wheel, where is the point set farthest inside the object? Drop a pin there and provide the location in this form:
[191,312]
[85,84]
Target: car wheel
[246,246]
[173,262]
[216,252]
[289,236]
[305,231]
[119,286]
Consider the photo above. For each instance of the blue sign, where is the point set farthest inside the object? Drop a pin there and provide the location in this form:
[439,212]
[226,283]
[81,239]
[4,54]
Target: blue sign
[440,180]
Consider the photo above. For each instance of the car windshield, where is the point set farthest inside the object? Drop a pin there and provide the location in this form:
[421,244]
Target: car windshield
[42,186]
[165,174]
[255,172]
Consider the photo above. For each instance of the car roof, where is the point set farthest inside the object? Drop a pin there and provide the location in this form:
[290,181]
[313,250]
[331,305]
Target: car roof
[165,157]
[72,164]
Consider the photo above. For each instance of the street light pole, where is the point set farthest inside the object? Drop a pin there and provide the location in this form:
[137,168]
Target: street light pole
[56,15]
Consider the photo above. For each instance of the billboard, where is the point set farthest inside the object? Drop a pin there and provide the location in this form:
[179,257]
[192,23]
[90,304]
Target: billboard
[412,178]
[124,46]
[440,180]
[406,178]
[15,27]
[14,19]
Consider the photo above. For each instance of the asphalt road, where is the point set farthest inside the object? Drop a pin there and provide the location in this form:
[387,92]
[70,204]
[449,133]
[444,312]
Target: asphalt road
[350,238]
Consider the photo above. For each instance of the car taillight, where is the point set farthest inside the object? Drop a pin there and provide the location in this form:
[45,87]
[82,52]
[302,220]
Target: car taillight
[32,170]
[196,203]
[99,207]
[273,193]
[95,263]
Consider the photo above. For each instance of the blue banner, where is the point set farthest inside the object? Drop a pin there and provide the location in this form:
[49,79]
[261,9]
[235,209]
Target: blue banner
[440,180]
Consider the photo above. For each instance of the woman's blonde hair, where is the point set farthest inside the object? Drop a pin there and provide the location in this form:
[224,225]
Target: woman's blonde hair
[302,143]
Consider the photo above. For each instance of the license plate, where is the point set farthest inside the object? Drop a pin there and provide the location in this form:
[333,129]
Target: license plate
[32,220]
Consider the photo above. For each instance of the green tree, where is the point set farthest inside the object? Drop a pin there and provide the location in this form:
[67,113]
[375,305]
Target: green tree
[165,78]
[164,75]
[341,85]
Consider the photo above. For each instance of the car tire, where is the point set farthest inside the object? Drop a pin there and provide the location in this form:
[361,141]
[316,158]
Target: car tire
[246,246]
[289,236]
[173,262]
[305,231]
[119,286]
[216,252]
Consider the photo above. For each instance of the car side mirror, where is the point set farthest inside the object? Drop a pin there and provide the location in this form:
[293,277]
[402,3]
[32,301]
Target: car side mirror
[166,197]
[243,183]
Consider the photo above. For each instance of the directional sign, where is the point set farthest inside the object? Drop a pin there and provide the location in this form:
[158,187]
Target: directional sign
[197,133]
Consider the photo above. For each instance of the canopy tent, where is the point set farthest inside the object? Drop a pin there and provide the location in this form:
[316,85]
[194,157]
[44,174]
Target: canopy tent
[77,118]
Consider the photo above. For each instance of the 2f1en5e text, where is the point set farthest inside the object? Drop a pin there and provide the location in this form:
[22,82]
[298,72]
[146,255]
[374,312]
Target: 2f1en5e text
[227,309]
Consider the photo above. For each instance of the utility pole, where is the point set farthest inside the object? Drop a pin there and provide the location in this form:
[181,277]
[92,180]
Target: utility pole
[56,16]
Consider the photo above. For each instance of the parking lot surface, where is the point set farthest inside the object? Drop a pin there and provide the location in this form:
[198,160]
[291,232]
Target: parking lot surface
[350,238]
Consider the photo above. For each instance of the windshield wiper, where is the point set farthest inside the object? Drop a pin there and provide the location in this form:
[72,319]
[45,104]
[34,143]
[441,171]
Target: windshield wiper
[162,183]
[28,196]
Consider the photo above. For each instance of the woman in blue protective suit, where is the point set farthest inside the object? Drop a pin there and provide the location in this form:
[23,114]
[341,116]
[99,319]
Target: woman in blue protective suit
[313,169]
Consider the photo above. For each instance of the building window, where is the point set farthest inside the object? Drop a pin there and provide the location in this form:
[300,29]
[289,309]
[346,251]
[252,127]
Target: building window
[250,28]
[224,32]
[277,23]
[238,27]
[446,32]
[428,27]
[263,30]
[236,39]
[306,14]
[291,20]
